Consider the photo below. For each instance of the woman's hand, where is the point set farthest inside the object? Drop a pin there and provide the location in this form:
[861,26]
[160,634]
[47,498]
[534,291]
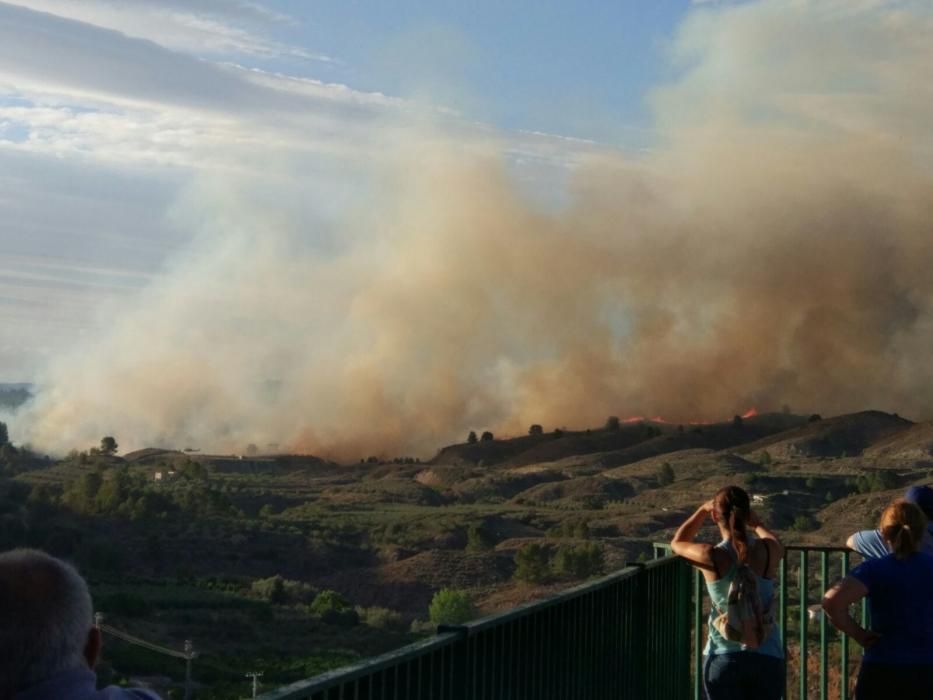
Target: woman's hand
[709,506]
[869,639]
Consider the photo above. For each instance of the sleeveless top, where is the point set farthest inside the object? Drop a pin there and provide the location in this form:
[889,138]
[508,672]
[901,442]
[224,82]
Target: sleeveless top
[719,595]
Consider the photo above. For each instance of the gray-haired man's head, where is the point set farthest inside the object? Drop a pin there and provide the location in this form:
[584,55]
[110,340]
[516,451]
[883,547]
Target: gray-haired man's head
[47,619]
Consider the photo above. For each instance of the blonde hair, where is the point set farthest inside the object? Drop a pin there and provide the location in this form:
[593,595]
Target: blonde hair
[902,526]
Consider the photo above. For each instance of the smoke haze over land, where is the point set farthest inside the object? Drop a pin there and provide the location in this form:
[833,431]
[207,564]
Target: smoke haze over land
[772,247]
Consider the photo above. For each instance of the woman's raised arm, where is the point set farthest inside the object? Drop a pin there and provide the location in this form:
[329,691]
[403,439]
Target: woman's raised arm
[697,553]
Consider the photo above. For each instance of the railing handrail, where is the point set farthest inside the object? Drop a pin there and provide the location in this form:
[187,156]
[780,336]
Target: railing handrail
[666,546]
[449,636]
[303,688]
[536,606]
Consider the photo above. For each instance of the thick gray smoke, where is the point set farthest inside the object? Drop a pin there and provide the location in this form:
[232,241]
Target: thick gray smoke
[773,248]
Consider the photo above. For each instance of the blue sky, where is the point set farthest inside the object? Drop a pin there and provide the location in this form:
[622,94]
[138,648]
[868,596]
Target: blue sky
[502,62]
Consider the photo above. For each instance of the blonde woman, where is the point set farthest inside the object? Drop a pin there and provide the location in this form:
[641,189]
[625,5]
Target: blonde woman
[898,659]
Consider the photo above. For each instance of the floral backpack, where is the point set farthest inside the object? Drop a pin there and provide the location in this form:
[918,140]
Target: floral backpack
[745,620]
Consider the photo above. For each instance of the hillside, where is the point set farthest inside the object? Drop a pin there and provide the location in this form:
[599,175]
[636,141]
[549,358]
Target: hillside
[387,536]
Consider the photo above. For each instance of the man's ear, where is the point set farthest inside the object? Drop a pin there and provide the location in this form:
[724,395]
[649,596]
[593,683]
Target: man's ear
[92,648]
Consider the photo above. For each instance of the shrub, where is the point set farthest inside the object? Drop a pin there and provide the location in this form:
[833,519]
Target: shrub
[881,480]
[380,618]
[334,609]
[422,627]
[478,539]
[582,561]
[532,564]
[665,475]
[804,523]
[612,423]
[271,589]
[764,459]
[471,438]
[579,530]
[451,607]
[487,437]
[281,591]
[536,429]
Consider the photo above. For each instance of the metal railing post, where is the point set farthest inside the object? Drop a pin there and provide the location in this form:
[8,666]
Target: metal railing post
[803,623]
[824,652]
[844,644]
[697,635]
[783,600]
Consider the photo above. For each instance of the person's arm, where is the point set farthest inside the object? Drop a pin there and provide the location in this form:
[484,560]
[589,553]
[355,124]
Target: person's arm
[836,604]
[869,543]
[697,553]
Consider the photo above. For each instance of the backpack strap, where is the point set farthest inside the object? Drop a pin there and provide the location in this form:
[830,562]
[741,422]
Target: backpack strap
[767,559]
[732,555]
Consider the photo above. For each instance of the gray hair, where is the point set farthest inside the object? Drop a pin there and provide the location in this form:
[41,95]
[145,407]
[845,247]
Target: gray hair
[45,617]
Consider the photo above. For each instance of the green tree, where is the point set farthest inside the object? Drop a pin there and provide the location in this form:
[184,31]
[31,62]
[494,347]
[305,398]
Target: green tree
[764,459]
[471,438]
[4,434]
[536,429]
[487,437]
[612,423]
[451,607]
[478,540]
[581,561]
[666,475]
[113,491]
[81,495]
[532,564]
[108,445]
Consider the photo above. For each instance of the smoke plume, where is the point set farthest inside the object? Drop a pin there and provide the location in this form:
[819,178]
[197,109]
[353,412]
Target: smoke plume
[773,247]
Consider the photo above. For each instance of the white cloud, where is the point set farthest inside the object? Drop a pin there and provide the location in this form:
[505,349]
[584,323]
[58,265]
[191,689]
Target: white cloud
[201,27]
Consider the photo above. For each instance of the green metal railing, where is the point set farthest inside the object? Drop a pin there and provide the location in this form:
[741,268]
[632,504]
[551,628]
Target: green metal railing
[625,636]
[809,641]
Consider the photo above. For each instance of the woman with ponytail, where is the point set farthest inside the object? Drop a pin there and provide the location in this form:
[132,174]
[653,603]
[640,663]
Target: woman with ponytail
[898,658]
[733,670]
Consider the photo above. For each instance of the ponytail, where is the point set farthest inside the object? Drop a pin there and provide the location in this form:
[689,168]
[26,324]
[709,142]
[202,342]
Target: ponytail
[738,535]
[733,507]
